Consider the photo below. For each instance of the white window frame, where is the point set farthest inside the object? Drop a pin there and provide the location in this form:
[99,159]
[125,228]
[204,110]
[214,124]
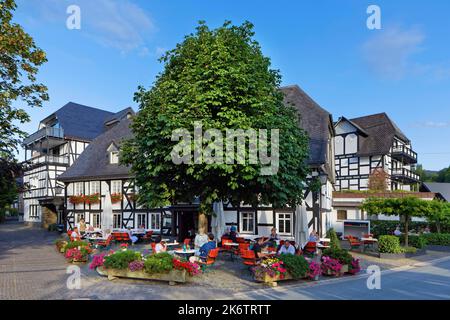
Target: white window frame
[114,157]
[283,219]
[154,221]
[116,186]
[117,221]
[95,187]
[141,219]
[96,216]
[78,188]
[244,216]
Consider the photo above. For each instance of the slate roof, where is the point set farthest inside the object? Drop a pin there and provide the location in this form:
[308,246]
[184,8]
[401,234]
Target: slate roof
[80,121]
[381,131]
[119,115]
[442,188]
[94,163]
[315,120]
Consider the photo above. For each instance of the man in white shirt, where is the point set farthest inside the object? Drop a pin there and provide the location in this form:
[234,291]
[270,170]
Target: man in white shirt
[287,248]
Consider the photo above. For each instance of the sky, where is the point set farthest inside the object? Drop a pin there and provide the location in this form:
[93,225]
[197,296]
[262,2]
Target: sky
[325,47]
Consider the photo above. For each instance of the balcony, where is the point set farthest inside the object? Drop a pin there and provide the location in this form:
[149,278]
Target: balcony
[404,154]
[48,159]
[52,137]
[405,176]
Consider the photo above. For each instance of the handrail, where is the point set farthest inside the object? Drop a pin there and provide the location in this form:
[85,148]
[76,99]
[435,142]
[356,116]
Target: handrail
[49,159]
[405,150]
[44,132]
[405,173]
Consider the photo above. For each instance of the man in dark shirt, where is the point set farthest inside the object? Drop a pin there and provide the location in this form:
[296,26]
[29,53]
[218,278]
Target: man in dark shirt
[211,244]
[257,248]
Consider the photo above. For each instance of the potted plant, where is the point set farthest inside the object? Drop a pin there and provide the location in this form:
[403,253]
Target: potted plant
[80,254]
[61,245]
[116,197]
[270,270]
[314,271]
[92,198]
[331,267]
[354,267]
[76,199]
[342,255]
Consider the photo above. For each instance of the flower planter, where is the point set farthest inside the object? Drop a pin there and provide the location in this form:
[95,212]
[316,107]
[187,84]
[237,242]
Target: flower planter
[343,270]
[173,277]
[272,281]
[419,252]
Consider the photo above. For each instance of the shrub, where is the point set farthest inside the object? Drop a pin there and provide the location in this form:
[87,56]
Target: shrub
[314,270]
[354,267]
[334,240]
[331,266]
[409,250]
[341,255]
[297,266]
[97,261]
[121,259]
[159,263]
[437,239]
[418,242]
[389,244]
[76,244]
[136,265]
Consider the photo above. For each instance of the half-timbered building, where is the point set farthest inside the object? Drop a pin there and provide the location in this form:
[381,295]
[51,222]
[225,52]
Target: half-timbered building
[59,141]
[97,171]
[365,144]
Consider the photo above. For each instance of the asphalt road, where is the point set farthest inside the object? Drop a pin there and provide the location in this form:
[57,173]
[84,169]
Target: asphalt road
[423,282]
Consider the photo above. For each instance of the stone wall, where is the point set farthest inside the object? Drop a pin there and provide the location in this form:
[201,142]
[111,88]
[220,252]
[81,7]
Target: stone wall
[49,217]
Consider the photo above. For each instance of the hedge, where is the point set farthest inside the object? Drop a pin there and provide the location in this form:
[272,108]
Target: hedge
[387,227]
[418,242]
[437,239]
[389,244]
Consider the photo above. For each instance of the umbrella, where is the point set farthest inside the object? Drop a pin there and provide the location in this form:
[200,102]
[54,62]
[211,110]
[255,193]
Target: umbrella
[218,220]
[302,225]
[107,218]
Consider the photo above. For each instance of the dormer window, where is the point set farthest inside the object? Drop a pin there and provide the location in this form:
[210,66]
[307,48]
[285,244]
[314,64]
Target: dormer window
[113,153]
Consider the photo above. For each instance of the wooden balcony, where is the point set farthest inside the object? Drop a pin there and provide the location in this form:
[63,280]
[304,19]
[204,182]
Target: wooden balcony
[405,176]
[404,154]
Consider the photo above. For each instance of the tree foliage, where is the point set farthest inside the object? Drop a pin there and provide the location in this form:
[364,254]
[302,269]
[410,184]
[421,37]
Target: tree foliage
[220,77]
[438,213]
[405,207]
[19,62]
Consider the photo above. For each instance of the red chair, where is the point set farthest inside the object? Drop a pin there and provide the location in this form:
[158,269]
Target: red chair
[271,249]
[153,244]
[310,248]
[226,247]
[240,240]
[121,236]
[243,247]
[249,258]
[354,243]
[105,243]
[210,260]
[148,236]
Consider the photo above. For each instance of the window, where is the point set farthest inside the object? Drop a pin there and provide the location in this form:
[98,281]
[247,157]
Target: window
[34,211]
[155,221]
[141,219]
[78,188]
[248,222]
[95,220]
[342,214]
[95,187]
[116,186]
[114,157]
[284,223]
[117,221]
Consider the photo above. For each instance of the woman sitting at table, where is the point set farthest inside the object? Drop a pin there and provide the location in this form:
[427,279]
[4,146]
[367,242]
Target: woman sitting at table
[132,237]
[273,238]
[257,249]
[313,236]
[160,246]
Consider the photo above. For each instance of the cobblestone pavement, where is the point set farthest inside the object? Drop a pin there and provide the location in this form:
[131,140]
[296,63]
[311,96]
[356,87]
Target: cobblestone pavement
[31,268]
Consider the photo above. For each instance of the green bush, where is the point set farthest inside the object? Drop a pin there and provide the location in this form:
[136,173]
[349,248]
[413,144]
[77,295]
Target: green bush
[409,250]
[334,240]
[121,259]
[418,242]
[389,244]
[437,239]
[342,255]
[159,263]
[76,244]
[297,266]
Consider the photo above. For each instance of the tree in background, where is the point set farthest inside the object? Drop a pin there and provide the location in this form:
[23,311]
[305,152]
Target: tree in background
[404,207]
[221,78]
[378,180]
[19,62]
[438,213]
[443,175]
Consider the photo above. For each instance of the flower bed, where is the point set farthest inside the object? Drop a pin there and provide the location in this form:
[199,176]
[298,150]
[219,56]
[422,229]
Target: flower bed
[134,265]
[74,251]
[285,267]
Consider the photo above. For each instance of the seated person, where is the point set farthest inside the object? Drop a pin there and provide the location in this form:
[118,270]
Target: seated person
[233,234]
[75,235]
[132,237]
[257,248]
[160,246]
[200,240]
[226,233]
[204,250]
[397,232]
[287,248]
[273,238]
[313,236]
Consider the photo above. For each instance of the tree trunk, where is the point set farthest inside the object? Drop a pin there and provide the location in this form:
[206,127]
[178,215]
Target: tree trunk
[202,223]
[438,226]
[406,230]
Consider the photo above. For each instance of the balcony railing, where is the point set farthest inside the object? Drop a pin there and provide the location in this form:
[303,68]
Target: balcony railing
[48,132]
[405,175]
[404,153]
[48,159]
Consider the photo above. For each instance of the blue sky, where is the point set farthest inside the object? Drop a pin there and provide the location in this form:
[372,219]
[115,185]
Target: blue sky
[323,46]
